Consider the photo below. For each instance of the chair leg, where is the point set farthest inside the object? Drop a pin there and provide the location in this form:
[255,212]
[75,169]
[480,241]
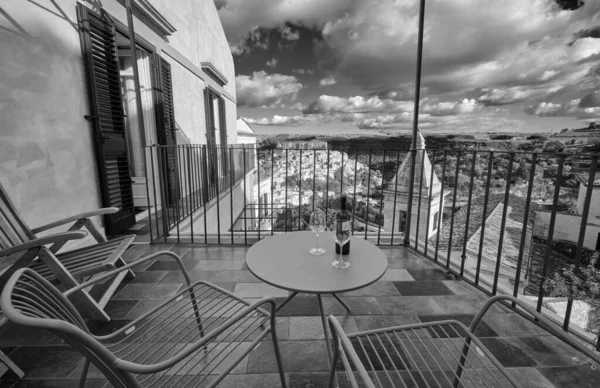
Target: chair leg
[83,378]
[64,276]
[277,353]
[92,308]
[12,367]
[120,263]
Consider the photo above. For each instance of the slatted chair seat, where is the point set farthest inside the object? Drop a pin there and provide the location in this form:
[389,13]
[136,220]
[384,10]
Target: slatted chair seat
[193,339]
[20,247]
[88,260]
[434,354]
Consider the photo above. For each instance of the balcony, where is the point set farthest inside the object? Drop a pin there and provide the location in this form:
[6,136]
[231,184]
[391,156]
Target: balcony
[414,289]
[489,237]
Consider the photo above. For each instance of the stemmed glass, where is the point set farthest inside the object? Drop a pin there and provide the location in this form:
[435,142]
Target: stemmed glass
[341,237]
[317,225]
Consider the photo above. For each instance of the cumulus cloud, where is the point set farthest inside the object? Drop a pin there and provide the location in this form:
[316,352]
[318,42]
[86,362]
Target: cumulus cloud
[265,90]
[587,107]
[280,120]
[327,81]
[451,108]
[356,104]
[239,17]
[272,62]
[288,34]
[303,71]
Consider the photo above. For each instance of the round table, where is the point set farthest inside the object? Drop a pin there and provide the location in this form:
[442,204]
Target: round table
[283,261]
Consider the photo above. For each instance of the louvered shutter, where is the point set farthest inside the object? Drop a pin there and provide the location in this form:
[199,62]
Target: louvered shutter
[99,49]
[211,142]
[165,117]
[223,136]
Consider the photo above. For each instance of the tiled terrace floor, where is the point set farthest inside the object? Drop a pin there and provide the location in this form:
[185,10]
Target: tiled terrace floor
[413,290]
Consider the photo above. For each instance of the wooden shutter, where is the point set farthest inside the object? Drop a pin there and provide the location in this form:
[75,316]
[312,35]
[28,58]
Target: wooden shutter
[223,136]
[211,150]
[99,49]
[166,127]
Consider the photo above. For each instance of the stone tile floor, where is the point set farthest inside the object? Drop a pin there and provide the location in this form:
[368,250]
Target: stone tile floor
[413,290]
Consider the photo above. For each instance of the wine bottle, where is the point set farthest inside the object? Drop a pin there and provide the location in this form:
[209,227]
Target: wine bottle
[343,219]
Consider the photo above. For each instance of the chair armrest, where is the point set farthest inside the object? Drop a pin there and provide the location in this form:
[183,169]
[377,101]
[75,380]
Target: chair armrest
[106,275]
[192,348]
[45,240]
[339,337]
[539,319]
[77,217]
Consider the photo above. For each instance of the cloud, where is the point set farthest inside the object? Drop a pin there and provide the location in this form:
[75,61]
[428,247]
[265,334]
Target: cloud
[303,71]
[327,81]
[451,108]
[272,62]
[298,106]
[357,104]
[373,45]
[587,107]
[288,34]
[240,17]
[280,120]
[505,96]
[265,90]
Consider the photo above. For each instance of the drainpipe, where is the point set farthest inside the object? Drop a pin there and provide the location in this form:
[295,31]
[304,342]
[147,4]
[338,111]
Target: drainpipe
[136,74]
[413,147]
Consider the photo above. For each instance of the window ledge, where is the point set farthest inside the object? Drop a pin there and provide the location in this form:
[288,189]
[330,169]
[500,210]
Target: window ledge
[212,71]
[150,16]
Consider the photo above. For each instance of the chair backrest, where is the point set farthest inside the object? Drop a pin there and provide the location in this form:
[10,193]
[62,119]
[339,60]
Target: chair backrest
[13,230]
[30,300]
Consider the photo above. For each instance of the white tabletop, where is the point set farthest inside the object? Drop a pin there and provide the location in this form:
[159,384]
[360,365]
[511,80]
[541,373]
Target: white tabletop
[284,261]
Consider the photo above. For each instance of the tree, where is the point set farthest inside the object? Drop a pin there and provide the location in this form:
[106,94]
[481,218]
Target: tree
[554,146]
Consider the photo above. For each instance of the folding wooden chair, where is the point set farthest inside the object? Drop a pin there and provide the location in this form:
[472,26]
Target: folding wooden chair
[20,247]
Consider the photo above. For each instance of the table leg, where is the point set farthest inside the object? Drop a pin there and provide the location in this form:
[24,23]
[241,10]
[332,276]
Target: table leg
[325,327]
[342,302]
[290,297]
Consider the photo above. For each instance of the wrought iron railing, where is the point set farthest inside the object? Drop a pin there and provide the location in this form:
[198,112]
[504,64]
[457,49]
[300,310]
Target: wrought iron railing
[499,220]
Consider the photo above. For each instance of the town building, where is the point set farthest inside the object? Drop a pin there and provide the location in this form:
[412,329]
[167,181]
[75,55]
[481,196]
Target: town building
[565,237]
[427,195]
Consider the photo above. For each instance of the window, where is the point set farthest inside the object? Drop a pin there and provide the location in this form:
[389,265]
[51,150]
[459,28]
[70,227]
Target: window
[216,134]
[598,243]
[435,221]
[402,221]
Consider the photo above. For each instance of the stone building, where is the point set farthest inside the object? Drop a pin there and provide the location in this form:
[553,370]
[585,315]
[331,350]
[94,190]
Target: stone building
[397,191]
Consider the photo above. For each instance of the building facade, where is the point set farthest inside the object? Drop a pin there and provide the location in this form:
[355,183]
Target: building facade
[74,117]
[425,217]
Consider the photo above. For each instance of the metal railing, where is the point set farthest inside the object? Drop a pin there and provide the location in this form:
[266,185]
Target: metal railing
[503,221]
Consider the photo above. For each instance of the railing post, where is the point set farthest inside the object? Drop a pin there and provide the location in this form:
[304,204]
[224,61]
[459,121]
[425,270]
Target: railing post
[550,231]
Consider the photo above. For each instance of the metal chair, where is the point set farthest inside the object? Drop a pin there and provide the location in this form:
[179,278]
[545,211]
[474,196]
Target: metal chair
[20,247]
[202,331]
[433,354]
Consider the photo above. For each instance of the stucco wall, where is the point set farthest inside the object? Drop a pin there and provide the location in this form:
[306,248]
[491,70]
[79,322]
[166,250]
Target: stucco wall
[566,228]
[594,202]
[47,161]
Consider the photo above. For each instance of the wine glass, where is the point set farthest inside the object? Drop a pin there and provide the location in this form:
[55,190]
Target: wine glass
[342,236]
[317,225]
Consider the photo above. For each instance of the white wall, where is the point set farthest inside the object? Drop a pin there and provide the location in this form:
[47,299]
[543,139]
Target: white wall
[566,228]
[47,160]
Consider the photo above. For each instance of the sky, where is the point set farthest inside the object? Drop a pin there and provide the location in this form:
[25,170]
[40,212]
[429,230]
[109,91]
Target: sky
[348,66]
